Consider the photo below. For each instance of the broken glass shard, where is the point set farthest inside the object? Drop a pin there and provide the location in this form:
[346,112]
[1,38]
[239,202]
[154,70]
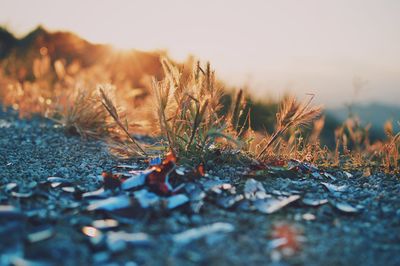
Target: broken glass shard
[176,201]
[272,205]
[26,194]
[203,231]
[347,174]
[308,217]
[146,198]
[254,190]
[229,201]
[110,204]
[127,166]
[40,234]
[345,207]
[280,193]
[68,189]
[135,181]
[105,224]
[118,241]
[330,176]
[56,181]
[314,202]
[97,194]
[334,188]
[10,186]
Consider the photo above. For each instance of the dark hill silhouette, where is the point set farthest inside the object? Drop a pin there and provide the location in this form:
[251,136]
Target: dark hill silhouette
[7,43]
[62,45]
[375,114]
[66,46]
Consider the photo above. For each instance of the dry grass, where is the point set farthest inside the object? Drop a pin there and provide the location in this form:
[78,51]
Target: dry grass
[355,150]
[82,113]
[130,148]
[188,112]
[291,115]
[391,148]
[27,98]
[353,146]
[184,107]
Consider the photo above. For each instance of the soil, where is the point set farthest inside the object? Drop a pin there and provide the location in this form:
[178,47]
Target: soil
[364,232]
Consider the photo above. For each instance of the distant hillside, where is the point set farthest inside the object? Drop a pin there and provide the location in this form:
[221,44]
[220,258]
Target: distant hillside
[375,113]
[7,43]
[132,65]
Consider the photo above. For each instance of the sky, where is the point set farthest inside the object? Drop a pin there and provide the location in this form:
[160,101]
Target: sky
[326,47]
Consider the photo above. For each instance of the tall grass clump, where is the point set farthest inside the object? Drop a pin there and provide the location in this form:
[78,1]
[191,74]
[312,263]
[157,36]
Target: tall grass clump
[291,115]
[121,141]
[189,112]
[391,149]
[82,113]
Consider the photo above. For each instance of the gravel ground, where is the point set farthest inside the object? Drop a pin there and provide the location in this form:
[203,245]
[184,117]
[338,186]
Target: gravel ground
[33,150]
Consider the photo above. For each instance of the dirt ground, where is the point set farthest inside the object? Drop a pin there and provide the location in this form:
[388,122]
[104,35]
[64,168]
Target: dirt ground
[43,223]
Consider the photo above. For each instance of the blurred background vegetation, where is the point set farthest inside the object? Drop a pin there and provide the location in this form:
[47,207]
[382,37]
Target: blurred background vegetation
[51,62]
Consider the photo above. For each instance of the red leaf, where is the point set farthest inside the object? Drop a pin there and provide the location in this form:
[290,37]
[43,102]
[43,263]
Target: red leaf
[111,181]
[158,180]
[170,157]
[201,170]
